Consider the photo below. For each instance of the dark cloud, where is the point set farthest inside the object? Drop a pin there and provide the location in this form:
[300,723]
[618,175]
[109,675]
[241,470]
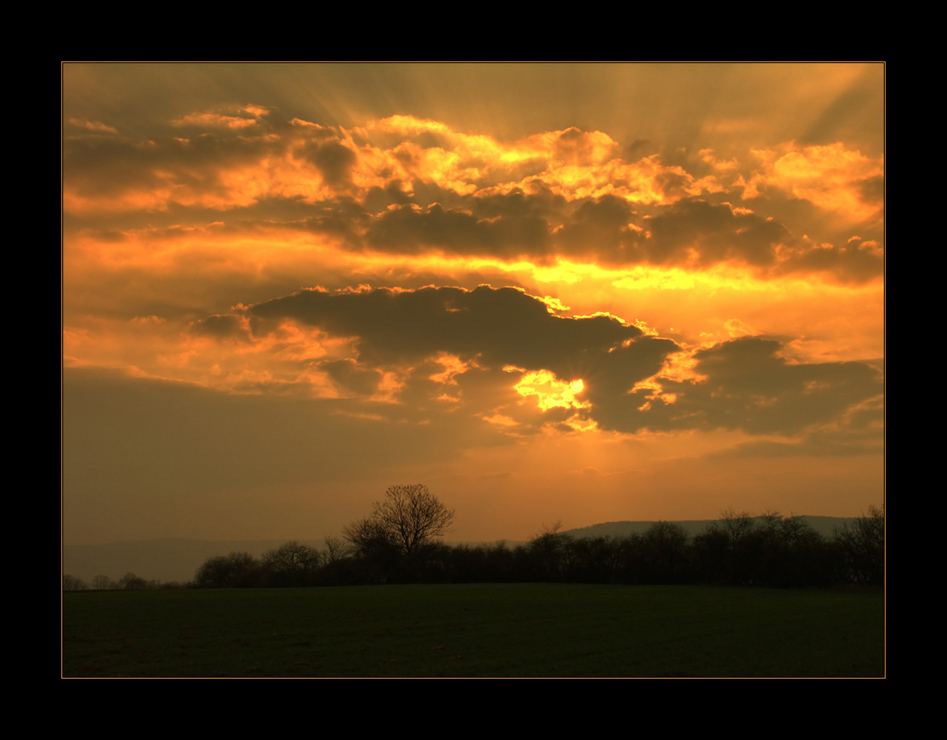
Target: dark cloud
[500,326]
[334,160]
[97,166]
[607,229]
[420,215]
[377,199]
[673,184]
[411,230]
[601,227]
[506,225]
[342,217]
[750,386]
[351,376]
[857,261]
[221,326]
[716,232]
[746,383]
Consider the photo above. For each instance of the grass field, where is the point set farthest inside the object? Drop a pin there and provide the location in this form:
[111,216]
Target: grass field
[474,630]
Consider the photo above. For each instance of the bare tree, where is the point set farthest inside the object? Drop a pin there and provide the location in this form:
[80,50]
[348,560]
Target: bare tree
[336,549]
[131,582]
[236,570]
[735,526]
[292,557]
[549,550]
[407,518]
[292,564]
[102,583]
[863,547]
[370,537]
[73,583]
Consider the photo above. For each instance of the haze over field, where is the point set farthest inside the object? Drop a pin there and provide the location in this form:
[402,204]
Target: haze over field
[584,293]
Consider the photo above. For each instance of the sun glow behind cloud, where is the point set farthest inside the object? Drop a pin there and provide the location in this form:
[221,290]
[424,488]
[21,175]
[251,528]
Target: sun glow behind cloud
[550,392]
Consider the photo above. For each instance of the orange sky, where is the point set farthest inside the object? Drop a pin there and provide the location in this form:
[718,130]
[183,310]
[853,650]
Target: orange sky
[585,293]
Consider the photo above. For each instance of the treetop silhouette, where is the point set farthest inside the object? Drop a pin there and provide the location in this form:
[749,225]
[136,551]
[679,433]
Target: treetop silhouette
[408,517]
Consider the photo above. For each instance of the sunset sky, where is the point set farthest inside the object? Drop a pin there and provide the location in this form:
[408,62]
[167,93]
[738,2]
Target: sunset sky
[553,292]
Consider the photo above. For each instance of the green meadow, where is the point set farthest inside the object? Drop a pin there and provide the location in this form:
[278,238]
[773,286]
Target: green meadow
[485,630]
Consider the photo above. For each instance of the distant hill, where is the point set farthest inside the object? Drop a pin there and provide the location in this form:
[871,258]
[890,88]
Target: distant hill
[178,559]
[824,525]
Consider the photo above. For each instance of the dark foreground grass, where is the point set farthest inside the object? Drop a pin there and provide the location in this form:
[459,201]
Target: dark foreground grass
[474,630]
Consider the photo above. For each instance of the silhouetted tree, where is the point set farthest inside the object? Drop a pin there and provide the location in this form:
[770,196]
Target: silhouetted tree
[863,548]
[601,558]
[724,552]
[236,570]
[369,537]
[131,582]
[291,564]
[336,549]
[376,554]
[102,583]
[548,552]
[73,583]
[482,564]
[407,518]
[790,553]
[664,553]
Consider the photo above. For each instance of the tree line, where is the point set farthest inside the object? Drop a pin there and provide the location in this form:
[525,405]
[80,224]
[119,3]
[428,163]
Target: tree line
[398,543]
[128,582]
